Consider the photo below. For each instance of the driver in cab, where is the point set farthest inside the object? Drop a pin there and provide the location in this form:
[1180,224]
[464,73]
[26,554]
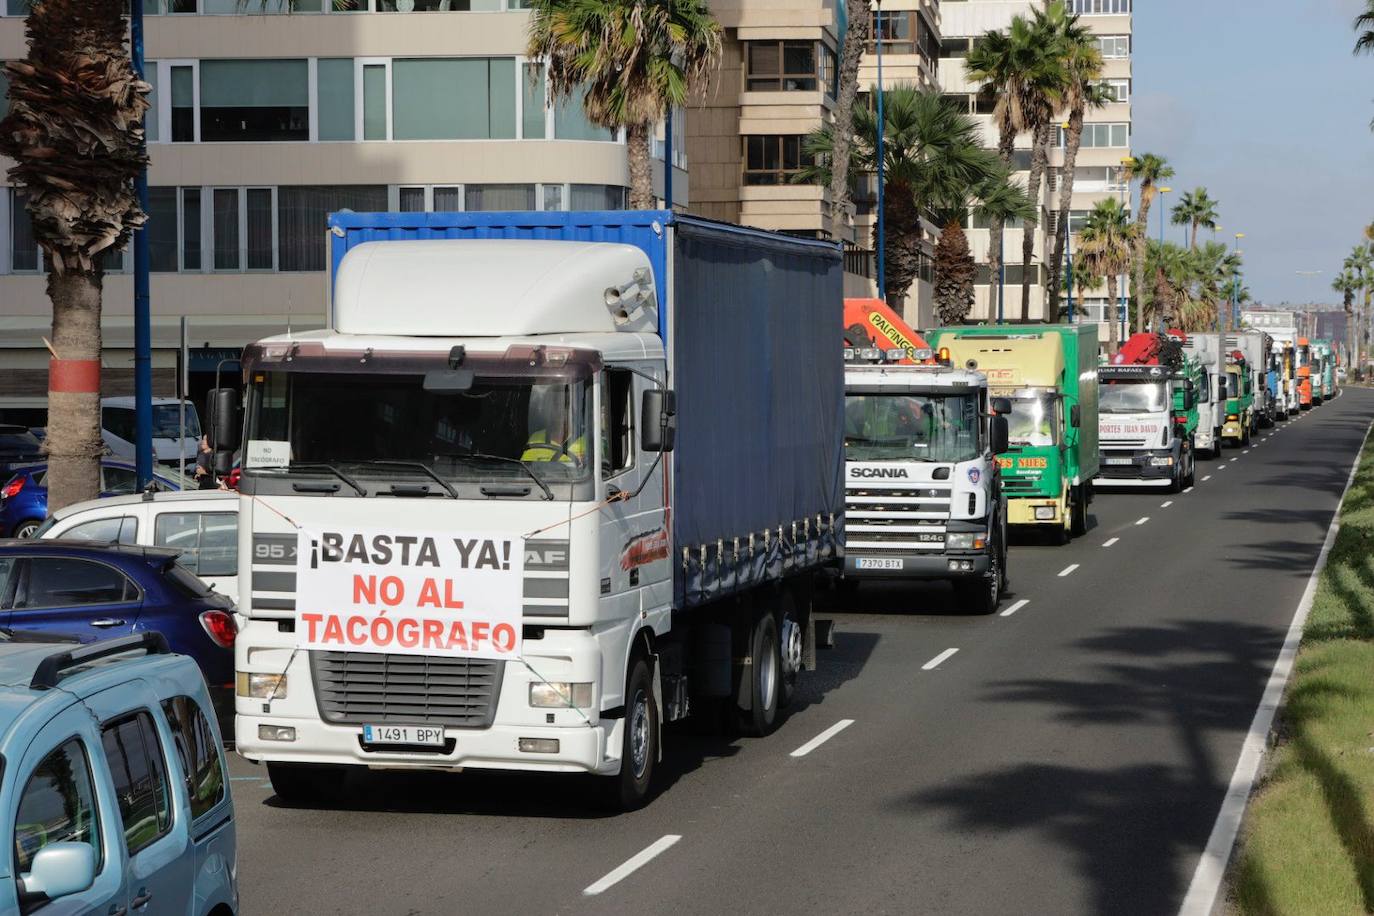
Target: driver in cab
[552,437]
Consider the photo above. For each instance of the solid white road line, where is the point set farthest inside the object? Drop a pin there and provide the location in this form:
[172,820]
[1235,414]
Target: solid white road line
[823,737]
[1016,607]
[632,865]
[1067,569]
[1110,541]
[1190,489]
[1211,868]
[1207,478]
[935,662]
[1142,520]
[1166,504]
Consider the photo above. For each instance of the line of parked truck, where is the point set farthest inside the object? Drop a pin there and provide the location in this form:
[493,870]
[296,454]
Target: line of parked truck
[550,481]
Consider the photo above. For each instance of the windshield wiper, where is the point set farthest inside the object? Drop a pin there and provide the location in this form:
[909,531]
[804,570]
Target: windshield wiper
[362,491]
[548,494]
[414,465]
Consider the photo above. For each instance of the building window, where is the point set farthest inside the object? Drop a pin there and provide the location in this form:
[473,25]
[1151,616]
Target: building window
[301,214]
[774,159]
[183,104]
[499,196]
[190,230]
[954,47]
[254,100]
[534,110]
[336,98]
[904,32]
[1115,47]
[788,66]
[570,121]
[596,197]
[1117,90]
[453,99]
[24,255]
[1101,135]
[163,239]
[1101,7]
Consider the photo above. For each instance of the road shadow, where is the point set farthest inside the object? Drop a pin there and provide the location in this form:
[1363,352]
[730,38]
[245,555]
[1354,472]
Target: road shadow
[893,597]
[1133,831]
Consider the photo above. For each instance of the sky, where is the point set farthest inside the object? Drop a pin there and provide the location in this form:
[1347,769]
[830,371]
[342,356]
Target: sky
[1262,102]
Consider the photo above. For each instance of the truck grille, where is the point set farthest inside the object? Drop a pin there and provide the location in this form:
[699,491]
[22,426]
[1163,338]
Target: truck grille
[361,688]
[1016,486]
[909,518]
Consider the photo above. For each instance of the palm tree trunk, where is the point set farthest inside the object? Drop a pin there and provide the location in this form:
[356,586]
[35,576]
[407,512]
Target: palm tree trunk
[1113,338]
[1138,256]
[855,42]
[641,171]
[1061,230]
[1040,142]
[1006,144]
[1192,239]
[73,442]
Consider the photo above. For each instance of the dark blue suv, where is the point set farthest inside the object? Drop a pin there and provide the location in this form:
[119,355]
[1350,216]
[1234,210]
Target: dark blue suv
[92,592]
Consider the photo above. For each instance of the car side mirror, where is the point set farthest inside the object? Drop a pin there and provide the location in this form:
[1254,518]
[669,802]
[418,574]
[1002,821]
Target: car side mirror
[59,869]
[1001,406]
[1075,416]
[1001,436]
[658,420]
[222,412]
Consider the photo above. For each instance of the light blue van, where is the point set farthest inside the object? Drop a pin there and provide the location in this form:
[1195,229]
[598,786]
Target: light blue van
[114,791]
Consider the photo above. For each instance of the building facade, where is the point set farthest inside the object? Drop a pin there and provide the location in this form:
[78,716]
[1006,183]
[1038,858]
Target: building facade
[1099,171]
[263,122]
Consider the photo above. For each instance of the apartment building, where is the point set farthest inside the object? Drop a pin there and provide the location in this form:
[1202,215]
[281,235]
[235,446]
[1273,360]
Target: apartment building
[263,122]
[1098,174]
[777,83]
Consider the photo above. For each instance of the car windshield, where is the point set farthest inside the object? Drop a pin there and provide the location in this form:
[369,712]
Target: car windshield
[1031,421]
[167,422]
[1133,397]
[19,442]
[502,426]
[923,427]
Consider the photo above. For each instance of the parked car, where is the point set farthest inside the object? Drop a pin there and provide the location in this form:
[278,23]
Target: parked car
[202,524]
[95,591]
[18,445]
[116,786]
[24,497]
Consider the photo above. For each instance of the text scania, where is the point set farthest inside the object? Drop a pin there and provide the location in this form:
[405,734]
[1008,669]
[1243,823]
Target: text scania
[879,472]
[413,593]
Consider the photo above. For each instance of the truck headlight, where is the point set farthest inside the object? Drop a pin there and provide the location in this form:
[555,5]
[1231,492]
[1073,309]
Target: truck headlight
[560,695]
[260,686]
[1045,513]
[966,540]
[1164,462]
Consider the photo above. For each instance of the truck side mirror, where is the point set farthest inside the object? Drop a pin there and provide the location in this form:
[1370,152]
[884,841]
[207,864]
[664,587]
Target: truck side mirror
[1001,436]
[222,415]
[1221,390]
[1001,406]
[1075,416]
[658,420]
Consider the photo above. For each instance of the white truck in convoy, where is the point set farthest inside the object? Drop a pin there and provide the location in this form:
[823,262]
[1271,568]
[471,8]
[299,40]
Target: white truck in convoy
[547,481]
[1211,397]
[923,491]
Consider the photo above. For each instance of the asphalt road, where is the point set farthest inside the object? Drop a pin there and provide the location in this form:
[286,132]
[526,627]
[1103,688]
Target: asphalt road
[1069,757]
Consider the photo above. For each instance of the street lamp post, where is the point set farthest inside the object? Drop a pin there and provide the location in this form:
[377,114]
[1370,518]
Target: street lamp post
[143,325]
[1235,284]
[1123,299]
[882,129]
[1068,256]
[1162,192]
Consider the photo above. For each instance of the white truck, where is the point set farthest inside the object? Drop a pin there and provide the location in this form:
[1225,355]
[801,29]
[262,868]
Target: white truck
[923,492]
[1211,400]
[547,481]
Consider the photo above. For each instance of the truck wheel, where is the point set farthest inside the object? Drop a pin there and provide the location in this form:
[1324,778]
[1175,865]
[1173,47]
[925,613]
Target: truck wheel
[306,784]
[629,789]
[1078,513]
[984,594]
[764,677]
[790,649]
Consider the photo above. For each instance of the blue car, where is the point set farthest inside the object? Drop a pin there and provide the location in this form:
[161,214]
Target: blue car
[95,591]
[24,498]
[114,791]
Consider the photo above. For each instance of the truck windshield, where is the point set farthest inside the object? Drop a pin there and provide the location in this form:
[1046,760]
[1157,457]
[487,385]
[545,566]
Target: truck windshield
[919,427]
[484,432]
[1232,385]
[1133,397]
[1031,421]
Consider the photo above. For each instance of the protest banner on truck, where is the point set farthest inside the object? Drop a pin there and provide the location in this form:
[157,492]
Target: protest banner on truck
[409,593]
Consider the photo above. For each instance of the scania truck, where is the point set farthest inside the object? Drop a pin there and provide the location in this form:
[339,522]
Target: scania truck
[547,481]
[1147,398]
[923,493]
[1204,351]
[1048,375]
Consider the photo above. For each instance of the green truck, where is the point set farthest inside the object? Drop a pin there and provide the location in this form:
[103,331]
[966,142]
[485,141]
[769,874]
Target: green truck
[1048,373]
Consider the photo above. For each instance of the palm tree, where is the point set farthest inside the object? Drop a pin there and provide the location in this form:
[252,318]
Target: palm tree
[1044,98]
[1104,251]
[635,60]
[1197,210]
[75,132]
[1150,169]
[1173,302]
[1347,284]
[932,157]
[1014,67]
[997,197]
[1083,92]
[858,27]
[1365,21]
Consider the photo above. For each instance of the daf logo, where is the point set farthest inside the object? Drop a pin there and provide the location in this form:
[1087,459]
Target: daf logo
[878,472]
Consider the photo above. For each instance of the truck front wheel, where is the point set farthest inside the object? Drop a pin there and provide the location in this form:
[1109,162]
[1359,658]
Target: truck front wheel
[763,677]
[984,594]
[629,789]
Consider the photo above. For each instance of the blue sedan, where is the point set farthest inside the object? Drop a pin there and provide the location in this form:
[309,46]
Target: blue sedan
[24,498]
